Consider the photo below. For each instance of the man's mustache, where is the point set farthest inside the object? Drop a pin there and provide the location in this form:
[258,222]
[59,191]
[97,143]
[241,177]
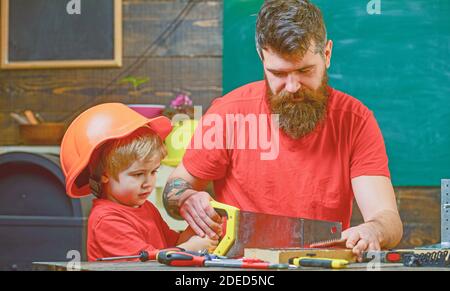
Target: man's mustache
[305,96]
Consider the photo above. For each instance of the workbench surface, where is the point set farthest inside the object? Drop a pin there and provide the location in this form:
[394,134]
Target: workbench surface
[154,266]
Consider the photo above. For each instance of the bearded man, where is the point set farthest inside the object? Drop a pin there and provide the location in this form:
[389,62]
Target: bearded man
[331,149]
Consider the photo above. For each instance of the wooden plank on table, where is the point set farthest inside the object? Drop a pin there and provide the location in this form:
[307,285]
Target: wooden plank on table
[282,256]
[122,266]
[155,266]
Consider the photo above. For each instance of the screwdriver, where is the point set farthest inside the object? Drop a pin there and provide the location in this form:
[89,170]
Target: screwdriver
[319,262]
[231,263]
[185,259]
[180,259]
[143,256]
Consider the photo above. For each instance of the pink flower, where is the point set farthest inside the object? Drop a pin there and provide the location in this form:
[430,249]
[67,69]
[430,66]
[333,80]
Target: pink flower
[180,101]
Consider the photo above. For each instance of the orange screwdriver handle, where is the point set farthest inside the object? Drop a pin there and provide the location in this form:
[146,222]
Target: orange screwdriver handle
[152,255]
[180,259]
[143,255]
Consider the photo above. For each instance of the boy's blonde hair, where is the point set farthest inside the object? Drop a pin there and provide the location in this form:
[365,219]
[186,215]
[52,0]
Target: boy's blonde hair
[119,154]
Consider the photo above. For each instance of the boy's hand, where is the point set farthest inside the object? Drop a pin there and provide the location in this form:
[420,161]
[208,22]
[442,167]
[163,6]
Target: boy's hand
[198,243]
[202,243]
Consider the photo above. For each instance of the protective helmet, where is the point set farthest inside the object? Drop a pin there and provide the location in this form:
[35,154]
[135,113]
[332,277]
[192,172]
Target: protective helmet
[89,131]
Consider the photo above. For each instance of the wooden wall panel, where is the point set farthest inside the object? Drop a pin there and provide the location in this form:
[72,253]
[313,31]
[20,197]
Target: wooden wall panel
[198,35]
[419,209]
[65,90]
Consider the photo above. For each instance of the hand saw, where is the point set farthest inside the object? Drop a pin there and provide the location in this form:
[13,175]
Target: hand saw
[245,229]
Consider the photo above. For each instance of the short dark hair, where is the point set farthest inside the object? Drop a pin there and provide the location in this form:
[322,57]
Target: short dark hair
[288,27]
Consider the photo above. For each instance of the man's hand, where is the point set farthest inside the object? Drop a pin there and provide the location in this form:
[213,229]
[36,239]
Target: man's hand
[200,215]
[184,198]
[383,227]
[362,238]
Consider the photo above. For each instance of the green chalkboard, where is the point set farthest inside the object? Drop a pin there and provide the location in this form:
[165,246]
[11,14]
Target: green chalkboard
[396,62]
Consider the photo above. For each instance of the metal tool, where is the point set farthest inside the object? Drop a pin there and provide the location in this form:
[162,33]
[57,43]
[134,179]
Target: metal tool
[245,229]
[185,259]
[143,256]
[340,242]
[445,213]
[390,256]
[430,259]
[231,263]
[445,216]
[180,259]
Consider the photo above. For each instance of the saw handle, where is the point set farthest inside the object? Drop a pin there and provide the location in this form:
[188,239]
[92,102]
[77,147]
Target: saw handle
[232,214]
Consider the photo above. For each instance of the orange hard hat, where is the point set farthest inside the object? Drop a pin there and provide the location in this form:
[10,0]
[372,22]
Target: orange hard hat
[90,130]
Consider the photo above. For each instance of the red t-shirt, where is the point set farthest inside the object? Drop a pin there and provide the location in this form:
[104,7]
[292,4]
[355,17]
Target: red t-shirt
[118,230]
[309,178]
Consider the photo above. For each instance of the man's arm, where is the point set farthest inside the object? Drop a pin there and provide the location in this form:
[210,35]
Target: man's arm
[382,227]
[184,198]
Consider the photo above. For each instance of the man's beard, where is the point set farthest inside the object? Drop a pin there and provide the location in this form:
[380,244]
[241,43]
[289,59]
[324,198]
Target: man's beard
[302,111]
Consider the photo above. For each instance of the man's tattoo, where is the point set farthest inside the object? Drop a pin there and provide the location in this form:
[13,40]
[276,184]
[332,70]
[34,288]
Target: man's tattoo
[178,186]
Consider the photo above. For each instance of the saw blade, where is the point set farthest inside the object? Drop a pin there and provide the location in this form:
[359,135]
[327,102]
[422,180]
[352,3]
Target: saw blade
[257,230]
[339,242]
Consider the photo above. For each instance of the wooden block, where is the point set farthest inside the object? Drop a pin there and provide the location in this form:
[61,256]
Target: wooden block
[30,116]
[282,256]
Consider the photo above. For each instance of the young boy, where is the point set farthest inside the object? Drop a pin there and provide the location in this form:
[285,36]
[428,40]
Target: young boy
[114,152]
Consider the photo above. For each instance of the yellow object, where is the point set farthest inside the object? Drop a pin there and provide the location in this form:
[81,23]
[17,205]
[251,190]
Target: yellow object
[319,262]
[231,213]
[178,140]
